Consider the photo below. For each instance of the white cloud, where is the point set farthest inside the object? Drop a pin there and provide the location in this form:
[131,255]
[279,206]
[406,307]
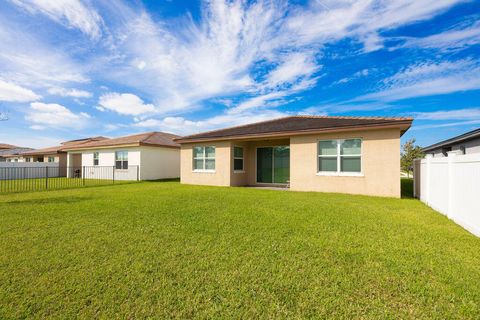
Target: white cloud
[330,20]
[294,67]
[64,92]
[125,103]
[356,75]
[425,79]
[459,114]
[71,13]
[27,59]
[15,93]
[52,115]
[454,39]
[444,125]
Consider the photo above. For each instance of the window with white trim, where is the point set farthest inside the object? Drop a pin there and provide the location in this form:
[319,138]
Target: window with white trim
[340,156]
[238,159]
[204,158]
[95,158]
[121,160]
[51,159]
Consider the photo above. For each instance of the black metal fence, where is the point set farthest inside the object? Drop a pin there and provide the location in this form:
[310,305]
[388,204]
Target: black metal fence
[21,179]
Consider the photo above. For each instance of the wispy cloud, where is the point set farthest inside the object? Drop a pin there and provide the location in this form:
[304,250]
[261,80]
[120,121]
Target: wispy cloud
[27,59]
[454,39]
[70,13]
[430,78]
[446,125]
[458,114]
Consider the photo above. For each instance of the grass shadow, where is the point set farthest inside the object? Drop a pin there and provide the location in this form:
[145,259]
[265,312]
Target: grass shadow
[407,188]
[54,200]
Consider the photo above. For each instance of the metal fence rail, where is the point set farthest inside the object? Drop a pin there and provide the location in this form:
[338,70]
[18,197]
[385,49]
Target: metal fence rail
[21,179]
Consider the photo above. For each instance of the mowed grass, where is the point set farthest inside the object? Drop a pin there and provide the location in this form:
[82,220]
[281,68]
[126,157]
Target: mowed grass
[165,250]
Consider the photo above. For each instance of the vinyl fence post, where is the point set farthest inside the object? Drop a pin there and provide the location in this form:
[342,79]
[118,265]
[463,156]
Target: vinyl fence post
[137,173]
[113,175]
[83,175]
[46,177]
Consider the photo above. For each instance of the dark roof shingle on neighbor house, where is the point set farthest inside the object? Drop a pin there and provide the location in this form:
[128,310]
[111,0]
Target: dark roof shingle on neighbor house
[59,149]
[467,136]
[8,146]
[160,139]
[298,125]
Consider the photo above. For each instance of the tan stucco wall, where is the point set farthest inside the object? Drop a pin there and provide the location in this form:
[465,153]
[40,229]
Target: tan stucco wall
[221,176]
[380,164]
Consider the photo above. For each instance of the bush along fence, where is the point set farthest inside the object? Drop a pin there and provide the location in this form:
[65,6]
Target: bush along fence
[21,179]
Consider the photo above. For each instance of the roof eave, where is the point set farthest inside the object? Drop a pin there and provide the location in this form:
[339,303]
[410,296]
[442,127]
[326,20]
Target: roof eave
[403,126]
[451,141]
[80,148]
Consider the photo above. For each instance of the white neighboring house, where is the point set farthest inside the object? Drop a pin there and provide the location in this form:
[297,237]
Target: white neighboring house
[144,156]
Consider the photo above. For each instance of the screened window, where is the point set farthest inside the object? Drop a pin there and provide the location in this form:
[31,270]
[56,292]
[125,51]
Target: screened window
[121,160]
[204,158]
[339,156]
[95,158]
[51,159]
[238,159]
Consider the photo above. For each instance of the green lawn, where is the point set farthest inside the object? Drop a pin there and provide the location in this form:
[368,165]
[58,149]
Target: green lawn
[165,250]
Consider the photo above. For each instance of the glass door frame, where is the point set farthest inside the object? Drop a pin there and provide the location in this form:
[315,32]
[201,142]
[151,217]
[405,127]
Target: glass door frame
[273,164]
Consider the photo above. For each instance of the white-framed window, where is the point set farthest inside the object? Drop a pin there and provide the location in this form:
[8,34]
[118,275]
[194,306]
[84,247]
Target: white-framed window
[51,159]
[95,158]
[340,156]
[238,163]
[204,158]
[121,160]
[27,159]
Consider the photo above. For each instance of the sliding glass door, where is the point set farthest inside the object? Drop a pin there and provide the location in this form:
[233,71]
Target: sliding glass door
[273,164]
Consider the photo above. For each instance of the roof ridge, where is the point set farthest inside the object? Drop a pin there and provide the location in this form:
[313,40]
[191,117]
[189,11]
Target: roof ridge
[149,135]
[237,126]
[354,117]
[299,116]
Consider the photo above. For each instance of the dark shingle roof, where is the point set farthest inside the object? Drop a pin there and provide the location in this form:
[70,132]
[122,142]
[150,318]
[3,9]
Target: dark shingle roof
[8,146]
[474,134]
[160,139]
[298,124]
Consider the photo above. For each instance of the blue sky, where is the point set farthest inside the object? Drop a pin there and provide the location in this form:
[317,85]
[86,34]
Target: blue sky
[76,68]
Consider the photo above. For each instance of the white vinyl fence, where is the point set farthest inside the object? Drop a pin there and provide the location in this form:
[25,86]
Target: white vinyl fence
[29,170]
[451,185]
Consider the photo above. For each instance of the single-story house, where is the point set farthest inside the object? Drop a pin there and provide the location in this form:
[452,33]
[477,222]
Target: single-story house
[11,153]
[357,155]
[466,143]
[144,156]
[55,154]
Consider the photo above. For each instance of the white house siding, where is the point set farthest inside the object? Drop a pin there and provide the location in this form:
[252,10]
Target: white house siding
[152,163]
[159,163]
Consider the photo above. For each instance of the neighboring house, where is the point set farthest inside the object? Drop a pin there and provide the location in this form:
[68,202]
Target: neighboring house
[358,155]
[466,143]
[55,154]
[11,153]
[145,156]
